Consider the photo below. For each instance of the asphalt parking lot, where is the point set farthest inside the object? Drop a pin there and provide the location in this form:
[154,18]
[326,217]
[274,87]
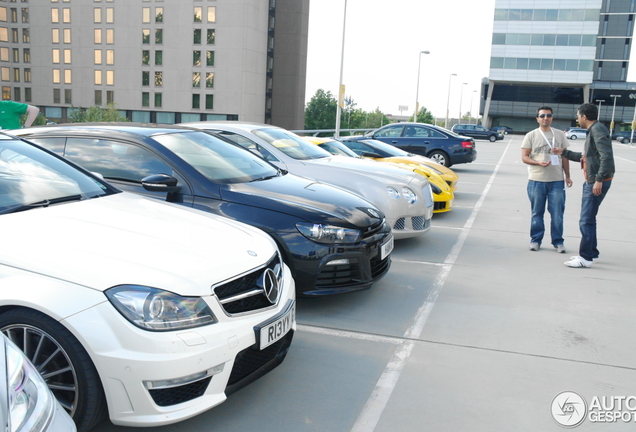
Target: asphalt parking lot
[469,331]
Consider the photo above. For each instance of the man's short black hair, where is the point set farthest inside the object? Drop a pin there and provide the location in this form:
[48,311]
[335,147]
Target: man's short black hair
[588,110]
[545,108]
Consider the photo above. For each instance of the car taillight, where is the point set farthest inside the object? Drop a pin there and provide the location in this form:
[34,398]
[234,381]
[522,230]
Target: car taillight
[467,144]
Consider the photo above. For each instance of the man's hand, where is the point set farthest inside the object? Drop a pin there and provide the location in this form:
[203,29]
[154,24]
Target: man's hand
[597,188]
[557,150]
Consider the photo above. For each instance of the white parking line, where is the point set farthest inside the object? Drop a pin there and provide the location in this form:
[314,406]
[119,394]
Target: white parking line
[375,405]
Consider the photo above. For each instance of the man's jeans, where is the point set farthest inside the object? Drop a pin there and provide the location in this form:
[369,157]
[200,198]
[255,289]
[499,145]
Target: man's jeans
[554,194]
[587,224]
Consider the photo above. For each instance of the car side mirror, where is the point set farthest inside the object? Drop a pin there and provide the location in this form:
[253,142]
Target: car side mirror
[160,183]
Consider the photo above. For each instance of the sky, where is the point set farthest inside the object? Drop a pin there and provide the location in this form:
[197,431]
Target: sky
[383,41]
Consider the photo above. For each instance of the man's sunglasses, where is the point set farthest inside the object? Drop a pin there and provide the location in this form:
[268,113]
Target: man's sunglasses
[545,115]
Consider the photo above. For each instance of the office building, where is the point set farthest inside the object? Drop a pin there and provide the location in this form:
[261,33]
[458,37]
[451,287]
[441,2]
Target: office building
[164,61]
[560,53]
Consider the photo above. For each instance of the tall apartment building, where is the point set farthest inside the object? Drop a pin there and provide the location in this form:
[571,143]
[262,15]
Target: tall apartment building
[560,53]
[158,61]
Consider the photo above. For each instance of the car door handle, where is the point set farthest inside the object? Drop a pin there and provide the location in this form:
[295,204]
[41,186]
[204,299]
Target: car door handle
[394,142]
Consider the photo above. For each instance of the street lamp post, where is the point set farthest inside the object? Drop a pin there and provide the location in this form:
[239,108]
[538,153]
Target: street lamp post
[613,111]
[417,92]
[461,93]
[470,120]
[448,99]
[340,90]
[600,102]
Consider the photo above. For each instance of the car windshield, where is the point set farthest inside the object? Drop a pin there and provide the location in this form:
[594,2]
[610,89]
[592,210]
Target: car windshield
[291,144]
[31,178]
[217,159]
[382,148]
[338,148]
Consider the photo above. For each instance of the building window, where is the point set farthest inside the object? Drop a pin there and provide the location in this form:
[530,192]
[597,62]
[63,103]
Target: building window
[27,76]
[14,15]
[196,79]
[145,57]
[196,58]
[4,54]
[145,15]
[55,36]
[3,14]
[68,96]
[4,34]
[211,14]
[26,35]
[198,13]
[55,15]
[5,74]
[197,37]
[145,36]
[110,77]
[159,58]
[209,79]
[26,55]
[6,93]
[98,97]
[68,75]
[97,15]
[15,36]
[67,56]
[196,101]
[66,15]
[56,96]
[97,57]
[209,102]
[110,57]
[145,78]
[159,15]
[110,15]
[110,95]
[25,15]
[145,99]
[27,94]
[16,74]
[158,79]
[97,36]
[98,77]
[16,55]
[56,56]
[211,36]
[209,58]
[159,36]
[110,36]
[158,100]
[67,36]
[16,94]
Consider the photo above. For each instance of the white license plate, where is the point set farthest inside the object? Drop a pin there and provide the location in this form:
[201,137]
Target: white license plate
[386,248]
[274,331]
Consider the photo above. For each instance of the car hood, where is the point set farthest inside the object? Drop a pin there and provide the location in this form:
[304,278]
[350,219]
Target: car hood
[361,167]
[306,199]
[127,239]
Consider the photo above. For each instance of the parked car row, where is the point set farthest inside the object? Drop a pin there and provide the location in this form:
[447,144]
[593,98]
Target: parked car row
[153,306]
[477,131]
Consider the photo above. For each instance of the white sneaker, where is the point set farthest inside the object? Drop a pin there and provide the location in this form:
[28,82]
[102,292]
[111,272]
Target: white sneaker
[560,248]
[577,261]
[534,246]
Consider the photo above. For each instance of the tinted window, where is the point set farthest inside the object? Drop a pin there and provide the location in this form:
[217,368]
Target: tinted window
[390,131]
[249,145]
[114,159]
[291,144]
[54,144]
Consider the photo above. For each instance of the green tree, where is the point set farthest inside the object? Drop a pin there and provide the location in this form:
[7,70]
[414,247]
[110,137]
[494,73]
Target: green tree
[320,112]
[375,119]
[96,114]
[424,116]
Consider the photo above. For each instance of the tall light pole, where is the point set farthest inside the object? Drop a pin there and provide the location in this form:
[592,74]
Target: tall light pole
[417,92]
[340,89]
[461,93]
[600,102]
[613,111]
[470,119]
[448,99]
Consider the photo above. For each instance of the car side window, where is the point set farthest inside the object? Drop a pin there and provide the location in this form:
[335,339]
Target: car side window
[54,144]
[469,127]
[421,132]
[358,147]
[248,144]
[390,132]
[114,159]
[433,133]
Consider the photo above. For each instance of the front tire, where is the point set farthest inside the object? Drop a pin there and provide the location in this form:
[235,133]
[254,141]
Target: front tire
[440,157]
[492,138]
[573,137]
[62,361]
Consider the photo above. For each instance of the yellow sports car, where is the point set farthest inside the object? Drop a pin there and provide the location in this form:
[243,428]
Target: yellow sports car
[442,188]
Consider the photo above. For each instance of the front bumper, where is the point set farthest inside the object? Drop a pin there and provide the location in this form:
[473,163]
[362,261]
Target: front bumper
[201,365]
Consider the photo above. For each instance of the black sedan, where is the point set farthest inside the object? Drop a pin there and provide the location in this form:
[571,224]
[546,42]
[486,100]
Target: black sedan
[443,146]
[332,240]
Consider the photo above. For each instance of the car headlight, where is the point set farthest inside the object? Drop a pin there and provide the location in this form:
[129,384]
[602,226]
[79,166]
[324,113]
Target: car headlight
[435,189]
[31,404]
[392,192]
[158,310]
[328,233]
[409,195]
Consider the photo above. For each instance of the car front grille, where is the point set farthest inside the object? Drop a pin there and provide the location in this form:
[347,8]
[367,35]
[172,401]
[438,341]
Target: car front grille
[379,267]
[440,206]
[373,229]
[339,275]
[251,359]
[244,294]
[179,394]
[417,223]
[399,224]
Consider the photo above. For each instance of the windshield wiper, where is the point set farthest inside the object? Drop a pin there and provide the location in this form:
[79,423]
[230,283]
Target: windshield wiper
[43,203]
